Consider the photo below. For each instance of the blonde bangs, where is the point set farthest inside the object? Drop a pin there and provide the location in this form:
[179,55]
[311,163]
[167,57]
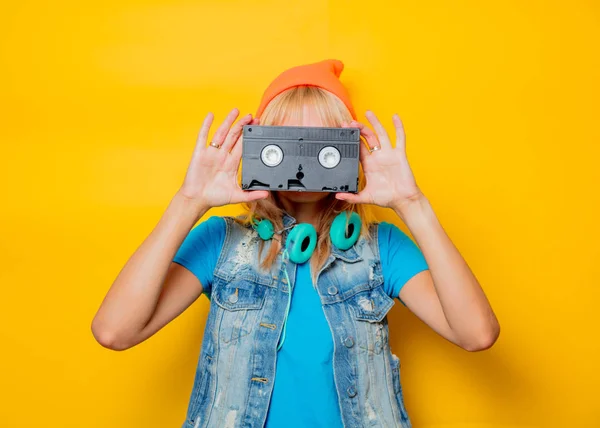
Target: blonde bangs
[289,106]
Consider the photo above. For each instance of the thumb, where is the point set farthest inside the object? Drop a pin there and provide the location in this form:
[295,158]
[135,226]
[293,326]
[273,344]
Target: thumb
[252,195]
[349,197]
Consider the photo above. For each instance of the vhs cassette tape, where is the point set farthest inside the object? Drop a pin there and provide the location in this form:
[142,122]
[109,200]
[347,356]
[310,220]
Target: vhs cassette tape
[300,158]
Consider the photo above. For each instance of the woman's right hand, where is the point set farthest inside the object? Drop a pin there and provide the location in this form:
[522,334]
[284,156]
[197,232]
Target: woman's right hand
[211,178]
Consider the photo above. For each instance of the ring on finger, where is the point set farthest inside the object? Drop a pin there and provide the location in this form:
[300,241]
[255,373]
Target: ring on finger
[215,145]
[374,149]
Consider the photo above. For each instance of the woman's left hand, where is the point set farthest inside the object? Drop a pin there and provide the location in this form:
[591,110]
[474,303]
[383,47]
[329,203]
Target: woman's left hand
[390,181]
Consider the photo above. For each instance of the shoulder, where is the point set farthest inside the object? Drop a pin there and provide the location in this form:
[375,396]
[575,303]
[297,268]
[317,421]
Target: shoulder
[383,232]
[237,224]
[212,224]
[217,223]
[389,232]
[392,240]
[222,228]
[206,233]
[237,231]
[396,245]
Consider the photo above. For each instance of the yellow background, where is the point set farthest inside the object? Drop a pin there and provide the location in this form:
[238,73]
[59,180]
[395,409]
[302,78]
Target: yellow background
[100,106]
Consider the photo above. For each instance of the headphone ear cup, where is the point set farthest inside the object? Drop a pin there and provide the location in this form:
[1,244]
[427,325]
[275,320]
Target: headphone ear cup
[301,242]
[265,229]
[337,232]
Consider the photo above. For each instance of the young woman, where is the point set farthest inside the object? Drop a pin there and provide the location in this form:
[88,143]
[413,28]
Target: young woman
[305,343]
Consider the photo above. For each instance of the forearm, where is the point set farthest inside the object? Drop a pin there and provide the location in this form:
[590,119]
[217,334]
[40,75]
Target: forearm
[462,299]
[132,298]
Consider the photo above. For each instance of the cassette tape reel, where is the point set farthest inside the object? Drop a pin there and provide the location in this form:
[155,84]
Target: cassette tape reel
[301,159]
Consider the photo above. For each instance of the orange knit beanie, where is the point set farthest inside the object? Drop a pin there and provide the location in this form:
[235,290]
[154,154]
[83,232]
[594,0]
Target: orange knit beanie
[324,74]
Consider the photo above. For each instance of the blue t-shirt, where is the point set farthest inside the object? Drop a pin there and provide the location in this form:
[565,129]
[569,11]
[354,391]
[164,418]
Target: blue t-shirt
[304,391]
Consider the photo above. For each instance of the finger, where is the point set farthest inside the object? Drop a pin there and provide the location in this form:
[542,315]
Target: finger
[367,133]
[235,132]
[202,136]
[363,145]
[233,161]
[354,198]
[206,124]
[222,131]
[251,195]
[384,138]
[400,134]
[237,149]
[364,150]
[235,155]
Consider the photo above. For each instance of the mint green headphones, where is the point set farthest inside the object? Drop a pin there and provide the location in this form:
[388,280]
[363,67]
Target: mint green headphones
[302,240]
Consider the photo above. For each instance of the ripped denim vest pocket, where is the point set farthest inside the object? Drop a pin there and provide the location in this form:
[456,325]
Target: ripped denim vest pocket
[370,308]
[240,302]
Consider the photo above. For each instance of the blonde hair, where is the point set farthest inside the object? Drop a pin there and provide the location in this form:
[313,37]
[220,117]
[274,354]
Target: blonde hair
[332,111]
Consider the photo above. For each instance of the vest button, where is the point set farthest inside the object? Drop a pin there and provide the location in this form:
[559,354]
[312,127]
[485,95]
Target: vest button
[233,298]
[349,342]
[332,290]
[351,391]
[378,347]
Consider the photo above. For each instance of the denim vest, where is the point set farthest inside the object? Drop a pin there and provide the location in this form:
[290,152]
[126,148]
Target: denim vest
[236,368]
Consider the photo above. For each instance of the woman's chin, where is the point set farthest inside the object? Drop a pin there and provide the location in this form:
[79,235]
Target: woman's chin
[304,196]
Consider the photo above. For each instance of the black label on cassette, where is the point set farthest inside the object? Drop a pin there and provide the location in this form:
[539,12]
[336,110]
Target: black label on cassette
[300,158]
